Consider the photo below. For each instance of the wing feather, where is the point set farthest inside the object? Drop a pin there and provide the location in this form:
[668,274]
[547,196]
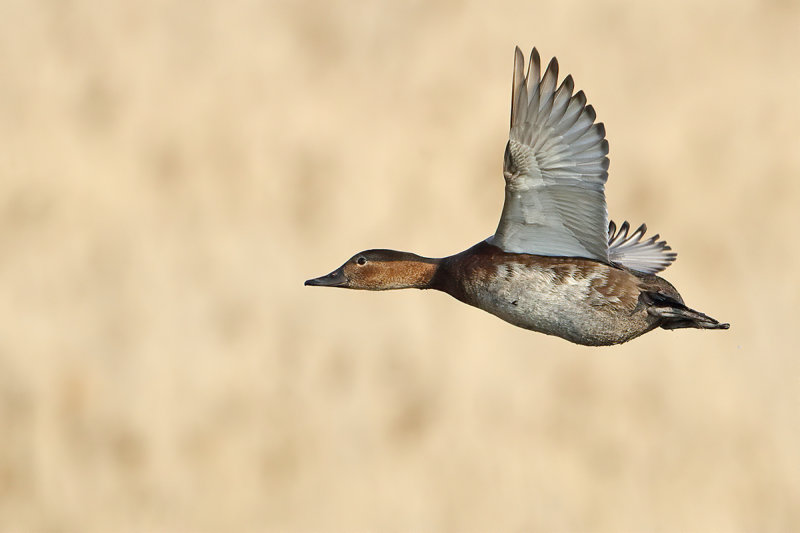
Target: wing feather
[649,257]
[555,168]
[561,101]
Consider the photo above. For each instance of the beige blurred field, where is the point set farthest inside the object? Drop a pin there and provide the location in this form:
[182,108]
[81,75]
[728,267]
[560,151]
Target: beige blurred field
[171,172]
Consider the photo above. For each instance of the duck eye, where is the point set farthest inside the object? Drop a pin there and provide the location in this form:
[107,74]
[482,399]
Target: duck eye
[361,260]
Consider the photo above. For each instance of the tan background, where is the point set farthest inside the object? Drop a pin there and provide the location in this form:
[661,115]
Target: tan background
[171,172]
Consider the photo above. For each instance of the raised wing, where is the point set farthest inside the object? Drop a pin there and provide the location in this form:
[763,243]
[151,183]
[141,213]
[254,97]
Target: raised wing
[648,256]
[555,169]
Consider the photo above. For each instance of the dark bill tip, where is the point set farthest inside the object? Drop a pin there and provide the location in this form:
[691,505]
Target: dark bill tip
[334,279]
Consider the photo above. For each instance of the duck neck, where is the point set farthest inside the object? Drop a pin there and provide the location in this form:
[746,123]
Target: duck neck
[414,273]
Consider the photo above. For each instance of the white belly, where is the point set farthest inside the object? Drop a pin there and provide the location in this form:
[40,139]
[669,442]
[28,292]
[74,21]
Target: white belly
[567,307]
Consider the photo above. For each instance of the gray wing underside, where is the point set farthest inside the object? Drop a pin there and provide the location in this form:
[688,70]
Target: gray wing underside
[648,256]
[555,169]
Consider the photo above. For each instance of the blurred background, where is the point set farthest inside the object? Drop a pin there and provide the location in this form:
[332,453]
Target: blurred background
[171,173]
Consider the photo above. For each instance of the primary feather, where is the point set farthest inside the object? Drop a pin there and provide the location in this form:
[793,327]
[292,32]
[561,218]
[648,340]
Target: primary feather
[648,256]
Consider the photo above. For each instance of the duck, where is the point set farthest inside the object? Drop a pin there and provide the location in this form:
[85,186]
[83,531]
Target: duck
[556,264]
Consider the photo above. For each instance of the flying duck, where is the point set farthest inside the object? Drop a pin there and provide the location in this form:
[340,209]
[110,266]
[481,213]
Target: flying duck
[555,264]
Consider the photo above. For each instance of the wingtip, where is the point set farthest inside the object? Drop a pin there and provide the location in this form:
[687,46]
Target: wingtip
[601,129]
[629,249]
[553,65]
[568,84]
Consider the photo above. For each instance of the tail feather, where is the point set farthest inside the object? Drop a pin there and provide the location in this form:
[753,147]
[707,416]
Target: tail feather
[676,315]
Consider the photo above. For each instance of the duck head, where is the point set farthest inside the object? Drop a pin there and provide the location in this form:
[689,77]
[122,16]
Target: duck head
[378,270]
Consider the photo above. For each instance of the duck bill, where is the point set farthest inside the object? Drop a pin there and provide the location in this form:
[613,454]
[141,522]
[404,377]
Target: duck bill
[334,279]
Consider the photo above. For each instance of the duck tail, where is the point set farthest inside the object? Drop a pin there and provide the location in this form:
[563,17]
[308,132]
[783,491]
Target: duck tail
[676,315]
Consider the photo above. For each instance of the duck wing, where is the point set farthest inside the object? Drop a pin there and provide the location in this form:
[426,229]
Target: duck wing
[555,169]
[650,256]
